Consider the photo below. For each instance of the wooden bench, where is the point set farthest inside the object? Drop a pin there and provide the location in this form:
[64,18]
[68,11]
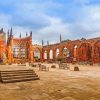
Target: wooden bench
[43,68]
[64,66]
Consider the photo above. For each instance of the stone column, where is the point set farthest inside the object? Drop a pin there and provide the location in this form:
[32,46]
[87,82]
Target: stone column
[75,54]
[41,55]
[61,52]
[30,50]
[92,55]
[54,55]
[48,57]
[11,49]
[78,54]
[9,54]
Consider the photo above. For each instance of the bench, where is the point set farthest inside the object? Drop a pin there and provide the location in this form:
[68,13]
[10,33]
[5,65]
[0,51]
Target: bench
[43,68]
[64,66]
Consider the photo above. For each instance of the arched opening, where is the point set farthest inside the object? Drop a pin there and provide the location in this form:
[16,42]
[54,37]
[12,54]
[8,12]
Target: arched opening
[75,53]
[85,52]
[97,52]
[20,53]
[3,57]
[66,52]
[45,54]
[37,55]
[51,54]
[65,55]
[57,52]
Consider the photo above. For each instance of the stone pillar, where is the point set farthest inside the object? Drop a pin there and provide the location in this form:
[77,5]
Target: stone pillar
[78,54]
[9,54]
[41,55]
[48,57]
[54,55]
[75,55]
[61,52]
[33,55]
[30,50]
[11,48]
[92,56]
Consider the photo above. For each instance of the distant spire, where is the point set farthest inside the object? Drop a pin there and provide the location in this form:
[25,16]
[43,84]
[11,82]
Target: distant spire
[11,31]
[60,38]
[1,30]
[42,42]
[47,42]
[83,39]
[31,33]
[26,34]
[20,35]
[8,33]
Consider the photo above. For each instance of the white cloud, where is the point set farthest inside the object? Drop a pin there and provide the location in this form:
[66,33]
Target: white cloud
[4,19]
[94,35]
[33,15]
[87,22]
[54,29]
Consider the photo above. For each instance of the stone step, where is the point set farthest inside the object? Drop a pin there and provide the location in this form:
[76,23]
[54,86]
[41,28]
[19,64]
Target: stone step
[17,75]
[17,71]
[20,80]
[10,74]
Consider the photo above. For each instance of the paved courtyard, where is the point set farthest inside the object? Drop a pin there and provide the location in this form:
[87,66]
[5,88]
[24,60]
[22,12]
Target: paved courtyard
[55,84]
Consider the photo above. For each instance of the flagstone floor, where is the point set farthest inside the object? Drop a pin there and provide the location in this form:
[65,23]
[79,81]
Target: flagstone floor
[55,84]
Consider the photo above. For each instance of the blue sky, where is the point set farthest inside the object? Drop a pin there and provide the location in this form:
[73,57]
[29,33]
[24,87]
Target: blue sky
[73,19]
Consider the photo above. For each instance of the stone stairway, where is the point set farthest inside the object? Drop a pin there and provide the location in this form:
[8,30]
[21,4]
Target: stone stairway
[10,76]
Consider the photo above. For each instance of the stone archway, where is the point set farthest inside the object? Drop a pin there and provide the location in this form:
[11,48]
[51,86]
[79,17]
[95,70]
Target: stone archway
[66,52]
[97,52]
[75,52]
[45,55]
[37,54]
[51,54]
[57,52]
[84,52]
[65,55]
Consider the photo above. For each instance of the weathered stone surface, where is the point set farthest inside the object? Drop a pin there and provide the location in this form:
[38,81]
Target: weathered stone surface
[53,66]
[55,85]
[92,98]
[67,98]
[76,68]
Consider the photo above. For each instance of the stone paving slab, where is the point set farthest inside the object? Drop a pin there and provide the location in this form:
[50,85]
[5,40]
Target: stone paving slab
[56,84]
